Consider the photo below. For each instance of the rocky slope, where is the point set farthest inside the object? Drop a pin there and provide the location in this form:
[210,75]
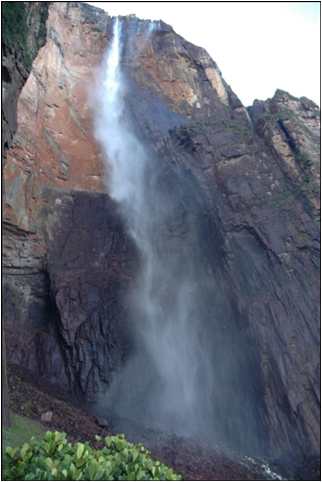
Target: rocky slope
[193,462]
[248,177]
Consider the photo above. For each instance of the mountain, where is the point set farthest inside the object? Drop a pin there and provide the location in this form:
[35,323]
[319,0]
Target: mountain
[244,188]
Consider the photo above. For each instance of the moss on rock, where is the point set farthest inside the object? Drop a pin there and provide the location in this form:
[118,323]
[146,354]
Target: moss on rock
[18,35]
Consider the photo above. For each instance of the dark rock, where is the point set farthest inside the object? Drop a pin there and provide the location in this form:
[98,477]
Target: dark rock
[247,180]
[91,263]
[102,422]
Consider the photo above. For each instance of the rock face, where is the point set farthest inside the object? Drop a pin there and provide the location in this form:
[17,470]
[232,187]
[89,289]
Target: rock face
[91,265]
[24,32]
[250,178]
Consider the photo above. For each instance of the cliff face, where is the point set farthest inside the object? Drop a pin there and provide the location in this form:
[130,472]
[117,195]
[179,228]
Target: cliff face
[249,178]
[23,33]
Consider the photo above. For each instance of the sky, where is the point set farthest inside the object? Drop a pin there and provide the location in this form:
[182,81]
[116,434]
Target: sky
[259,47]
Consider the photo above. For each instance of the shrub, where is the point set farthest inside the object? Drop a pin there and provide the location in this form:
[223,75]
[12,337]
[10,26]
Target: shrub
[54,458]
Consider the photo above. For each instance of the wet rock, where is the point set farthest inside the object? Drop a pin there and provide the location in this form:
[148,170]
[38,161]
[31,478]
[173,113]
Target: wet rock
[90,266]
[248,178]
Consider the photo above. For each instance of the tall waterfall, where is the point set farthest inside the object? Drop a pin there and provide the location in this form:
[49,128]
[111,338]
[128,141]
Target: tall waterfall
[166,381]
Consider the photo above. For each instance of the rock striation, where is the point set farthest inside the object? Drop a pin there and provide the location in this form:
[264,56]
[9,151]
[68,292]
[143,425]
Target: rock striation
[250,178]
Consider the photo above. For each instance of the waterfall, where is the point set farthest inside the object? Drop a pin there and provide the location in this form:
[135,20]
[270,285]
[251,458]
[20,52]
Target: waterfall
[122,150]
[166,381]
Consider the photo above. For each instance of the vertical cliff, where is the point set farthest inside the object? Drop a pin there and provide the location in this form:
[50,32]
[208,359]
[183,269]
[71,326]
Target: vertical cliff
[244,191]
[23,34]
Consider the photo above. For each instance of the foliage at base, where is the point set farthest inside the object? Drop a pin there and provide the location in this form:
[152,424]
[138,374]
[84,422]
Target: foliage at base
[54,458]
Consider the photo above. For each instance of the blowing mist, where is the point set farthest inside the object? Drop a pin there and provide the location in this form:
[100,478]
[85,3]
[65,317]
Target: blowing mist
[185,371]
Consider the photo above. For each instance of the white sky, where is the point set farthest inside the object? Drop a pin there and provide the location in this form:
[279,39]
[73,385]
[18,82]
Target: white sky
[259,47]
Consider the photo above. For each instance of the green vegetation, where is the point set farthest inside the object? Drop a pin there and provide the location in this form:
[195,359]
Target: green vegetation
[280,116]
[21,430]
[15,29]
[54,458]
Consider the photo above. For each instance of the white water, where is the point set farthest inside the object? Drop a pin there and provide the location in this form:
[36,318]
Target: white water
[124,155]
[183,374]
[160,383]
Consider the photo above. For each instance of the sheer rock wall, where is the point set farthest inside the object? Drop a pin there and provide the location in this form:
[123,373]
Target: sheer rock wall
[250,177]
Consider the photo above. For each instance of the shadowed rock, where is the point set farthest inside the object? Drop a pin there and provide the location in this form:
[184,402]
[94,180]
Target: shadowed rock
[248,178]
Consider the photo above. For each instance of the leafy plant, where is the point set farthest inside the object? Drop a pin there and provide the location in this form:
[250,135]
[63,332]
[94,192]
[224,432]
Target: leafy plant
[54,458]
